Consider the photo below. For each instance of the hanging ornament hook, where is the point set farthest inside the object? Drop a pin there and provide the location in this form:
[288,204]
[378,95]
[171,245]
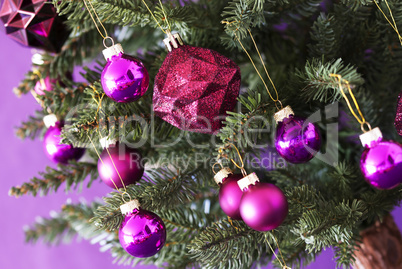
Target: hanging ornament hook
[241,167]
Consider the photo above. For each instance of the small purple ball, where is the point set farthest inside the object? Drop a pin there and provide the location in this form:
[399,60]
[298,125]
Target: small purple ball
[263,207]
[381,164]
[297,141]
[59,153]
[128,162]
[124,78]
[44,85]
[142,233]
[230,196]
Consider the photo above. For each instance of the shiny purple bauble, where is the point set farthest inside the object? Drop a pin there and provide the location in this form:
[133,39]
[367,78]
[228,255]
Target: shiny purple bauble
[142,233]
[230,196]
[263,207]
[381,164]
[128,162]
[296,140]
[44,85]
[124,78]
[59,153]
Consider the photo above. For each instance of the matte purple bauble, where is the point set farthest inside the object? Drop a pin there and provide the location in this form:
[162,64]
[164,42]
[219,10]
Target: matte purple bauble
[263,206]
[128,162]
[381,164]
[142,233]
[230,196]
[59,153]
[124,78]
[296,140]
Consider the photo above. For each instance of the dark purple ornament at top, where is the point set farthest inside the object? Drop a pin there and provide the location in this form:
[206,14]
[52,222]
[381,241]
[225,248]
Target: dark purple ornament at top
[381,161]
[128,162]
[142,233]
[263,206]
[229,192]
[124,78]
[297,141]
[59,153]
[34,23]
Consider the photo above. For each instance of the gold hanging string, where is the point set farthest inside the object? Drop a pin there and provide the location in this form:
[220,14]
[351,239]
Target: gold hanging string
[283,265]
[276,100]
[360,118]
[153,16]
[393,23]
[213,167]
[104,36]
[241,167]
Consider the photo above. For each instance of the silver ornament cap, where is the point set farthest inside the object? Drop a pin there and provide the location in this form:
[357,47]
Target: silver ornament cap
[50,120]
[370,137]
[113,50]
[283,113]
[172,41]
[223,173]
[107,142]
[251,179]
[129,207]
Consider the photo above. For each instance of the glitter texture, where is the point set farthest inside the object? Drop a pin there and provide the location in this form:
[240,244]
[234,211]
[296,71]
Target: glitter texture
[398,118]
[34,23]
[195,87]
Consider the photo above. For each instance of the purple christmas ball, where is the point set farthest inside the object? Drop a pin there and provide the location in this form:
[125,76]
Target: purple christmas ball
[59,153]
[230,196]
[297,141]
[142,233]
[263,206]
[124,78]
[128,162]
[44,85]
[381,164]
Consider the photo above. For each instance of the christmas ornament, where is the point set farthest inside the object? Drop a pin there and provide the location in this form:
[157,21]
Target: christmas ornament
[43,85]
[120,165]
[398,118]
[124,78]
[381,161]
[34,23]
[229,192]
[263,206]
[297,141]
[195,87]
[59,153]
[142,233]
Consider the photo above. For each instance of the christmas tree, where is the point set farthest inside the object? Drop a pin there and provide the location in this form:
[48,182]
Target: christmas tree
[308,52]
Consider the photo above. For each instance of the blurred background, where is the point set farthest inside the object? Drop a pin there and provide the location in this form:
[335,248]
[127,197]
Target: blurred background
[24,159]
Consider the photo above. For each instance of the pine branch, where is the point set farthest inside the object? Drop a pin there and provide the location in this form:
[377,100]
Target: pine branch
[73,174]
[33,127]
[162,189]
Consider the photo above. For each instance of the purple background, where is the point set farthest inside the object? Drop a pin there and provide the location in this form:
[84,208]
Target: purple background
[24,159]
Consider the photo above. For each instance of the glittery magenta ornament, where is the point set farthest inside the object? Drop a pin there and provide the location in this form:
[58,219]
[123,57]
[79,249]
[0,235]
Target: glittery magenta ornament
[59,153]
[34,23]
[229,192]
[263,206]
[381,161]
[297,141]
[398,118]
[124,78]
[142,233]
[123,161]
[195,87]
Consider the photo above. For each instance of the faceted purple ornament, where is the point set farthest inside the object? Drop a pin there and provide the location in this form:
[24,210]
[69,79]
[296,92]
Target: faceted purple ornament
[34,23]
[142,233]
[263,206]
[59,153]
[124,162]
[124,78]
[297,141]
[381,161]
[229,194]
